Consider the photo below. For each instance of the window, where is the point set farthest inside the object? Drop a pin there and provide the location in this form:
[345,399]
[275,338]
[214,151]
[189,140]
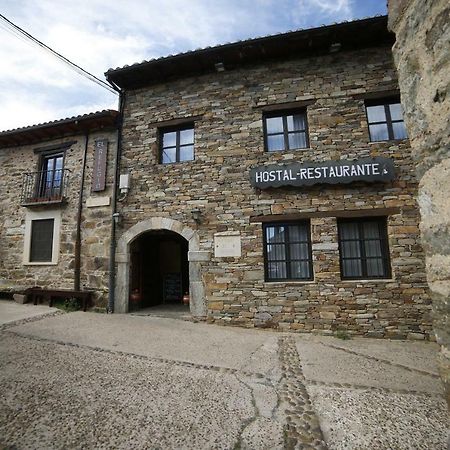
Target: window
[50,176]
[285,131]
[385,118]
[288,251]
[41,240]
[363,248]
[177,144]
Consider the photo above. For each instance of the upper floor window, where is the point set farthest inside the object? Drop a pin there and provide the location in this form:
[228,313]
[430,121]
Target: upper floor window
[385,118]
[363,248]
[286,131]
[51,175]
[177,144]
[288,252]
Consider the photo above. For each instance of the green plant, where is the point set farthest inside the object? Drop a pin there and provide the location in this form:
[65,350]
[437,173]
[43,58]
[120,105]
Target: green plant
[68,305]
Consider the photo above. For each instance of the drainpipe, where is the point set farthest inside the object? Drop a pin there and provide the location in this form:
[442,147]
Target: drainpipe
[112,247]
[77,262]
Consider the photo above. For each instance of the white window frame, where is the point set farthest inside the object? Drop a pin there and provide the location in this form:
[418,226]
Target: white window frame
[42,215]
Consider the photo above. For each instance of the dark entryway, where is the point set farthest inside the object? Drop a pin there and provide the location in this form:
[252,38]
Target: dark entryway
[159,272]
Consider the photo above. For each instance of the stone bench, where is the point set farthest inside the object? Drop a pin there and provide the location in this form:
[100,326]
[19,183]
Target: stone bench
[36,294]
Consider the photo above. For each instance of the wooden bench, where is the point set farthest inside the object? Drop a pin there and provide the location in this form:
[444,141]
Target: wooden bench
[37,294]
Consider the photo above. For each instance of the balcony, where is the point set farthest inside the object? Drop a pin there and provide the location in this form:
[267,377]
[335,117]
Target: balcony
[44,187]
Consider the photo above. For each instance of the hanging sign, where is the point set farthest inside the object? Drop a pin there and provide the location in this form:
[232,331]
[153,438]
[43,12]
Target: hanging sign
[99,172]
[328,172]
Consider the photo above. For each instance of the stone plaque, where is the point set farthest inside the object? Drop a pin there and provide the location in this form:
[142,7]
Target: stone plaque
[327,172]
[227,244]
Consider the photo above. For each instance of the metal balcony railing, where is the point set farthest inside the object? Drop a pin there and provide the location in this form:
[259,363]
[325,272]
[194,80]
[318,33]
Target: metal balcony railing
[46,186]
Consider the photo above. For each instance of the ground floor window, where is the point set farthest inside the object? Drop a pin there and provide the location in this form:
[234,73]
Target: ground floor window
[41,240]
[363,248]
[288,251]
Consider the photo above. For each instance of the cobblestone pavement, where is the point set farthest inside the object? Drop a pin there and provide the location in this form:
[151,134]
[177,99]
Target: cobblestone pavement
[84,380]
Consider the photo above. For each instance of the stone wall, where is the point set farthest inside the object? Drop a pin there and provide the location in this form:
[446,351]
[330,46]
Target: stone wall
[96,220]
[422,56]
[227,108]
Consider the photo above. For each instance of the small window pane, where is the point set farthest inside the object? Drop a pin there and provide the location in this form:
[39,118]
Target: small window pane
[376,113]
[41,240]
[275,234]
[299,251]
[169,155]
[372,248]
[187,136]
[399,130]
[277,270]
[349,230]
[187,153]
[299,269]
[352,268]
[297,140]
[350,249]
[296,122]
[169,139]
[274,125]
[375,267]
[396,111]
[275,143]
[276,252]
[379,132]
[298,233]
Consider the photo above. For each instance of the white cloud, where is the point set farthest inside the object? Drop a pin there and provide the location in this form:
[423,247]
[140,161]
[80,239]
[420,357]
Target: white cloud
[100,34]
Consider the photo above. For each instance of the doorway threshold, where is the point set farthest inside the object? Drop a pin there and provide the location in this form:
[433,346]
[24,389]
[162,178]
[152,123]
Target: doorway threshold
[169,311]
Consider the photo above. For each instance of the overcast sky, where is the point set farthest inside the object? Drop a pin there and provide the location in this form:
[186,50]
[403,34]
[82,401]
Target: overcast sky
[98,34]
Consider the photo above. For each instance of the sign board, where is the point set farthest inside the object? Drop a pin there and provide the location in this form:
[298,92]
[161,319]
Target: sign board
[227,244]
[327,172]
[100,158]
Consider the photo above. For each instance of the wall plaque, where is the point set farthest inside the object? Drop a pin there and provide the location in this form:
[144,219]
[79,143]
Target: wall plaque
[327,172]
[99,171]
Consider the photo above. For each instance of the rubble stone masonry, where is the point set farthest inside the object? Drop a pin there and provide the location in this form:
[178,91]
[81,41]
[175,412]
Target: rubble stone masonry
[422,56]
[227,110]
[96,220]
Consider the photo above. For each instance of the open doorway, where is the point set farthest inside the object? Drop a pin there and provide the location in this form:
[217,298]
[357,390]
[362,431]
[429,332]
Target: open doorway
[159,272]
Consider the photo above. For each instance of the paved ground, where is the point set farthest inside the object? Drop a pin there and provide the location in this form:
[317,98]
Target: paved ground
[87,380]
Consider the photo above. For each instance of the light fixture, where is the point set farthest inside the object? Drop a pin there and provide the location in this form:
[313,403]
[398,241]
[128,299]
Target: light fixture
[219,67]
[335,47]
[124,183]
[196,215]
[116,217]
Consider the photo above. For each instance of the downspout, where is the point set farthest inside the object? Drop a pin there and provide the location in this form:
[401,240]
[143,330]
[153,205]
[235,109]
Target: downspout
[112,247]
[77,262]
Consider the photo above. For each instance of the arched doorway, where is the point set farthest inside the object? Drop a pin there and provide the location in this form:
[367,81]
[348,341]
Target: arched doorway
[195,258]
[159,271]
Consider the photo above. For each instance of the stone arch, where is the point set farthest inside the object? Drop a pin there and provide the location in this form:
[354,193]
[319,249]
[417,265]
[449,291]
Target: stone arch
[195,256]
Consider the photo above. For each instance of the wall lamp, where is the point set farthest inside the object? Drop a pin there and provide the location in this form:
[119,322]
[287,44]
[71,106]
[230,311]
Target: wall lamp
[117,218]
[335,47]
[197,216]
[219,67]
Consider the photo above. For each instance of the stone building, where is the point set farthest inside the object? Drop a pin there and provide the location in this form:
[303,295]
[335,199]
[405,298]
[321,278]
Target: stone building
[47,187]
[272,179]
[422,56]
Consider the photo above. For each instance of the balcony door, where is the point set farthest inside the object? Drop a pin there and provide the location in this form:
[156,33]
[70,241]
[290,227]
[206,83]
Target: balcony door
[51,175]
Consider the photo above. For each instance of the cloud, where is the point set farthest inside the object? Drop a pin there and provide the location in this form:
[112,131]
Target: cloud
[100,34]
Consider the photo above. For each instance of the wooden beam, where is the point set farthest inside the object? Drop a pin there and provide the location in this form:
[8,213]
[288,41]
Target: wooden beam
[339,213]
